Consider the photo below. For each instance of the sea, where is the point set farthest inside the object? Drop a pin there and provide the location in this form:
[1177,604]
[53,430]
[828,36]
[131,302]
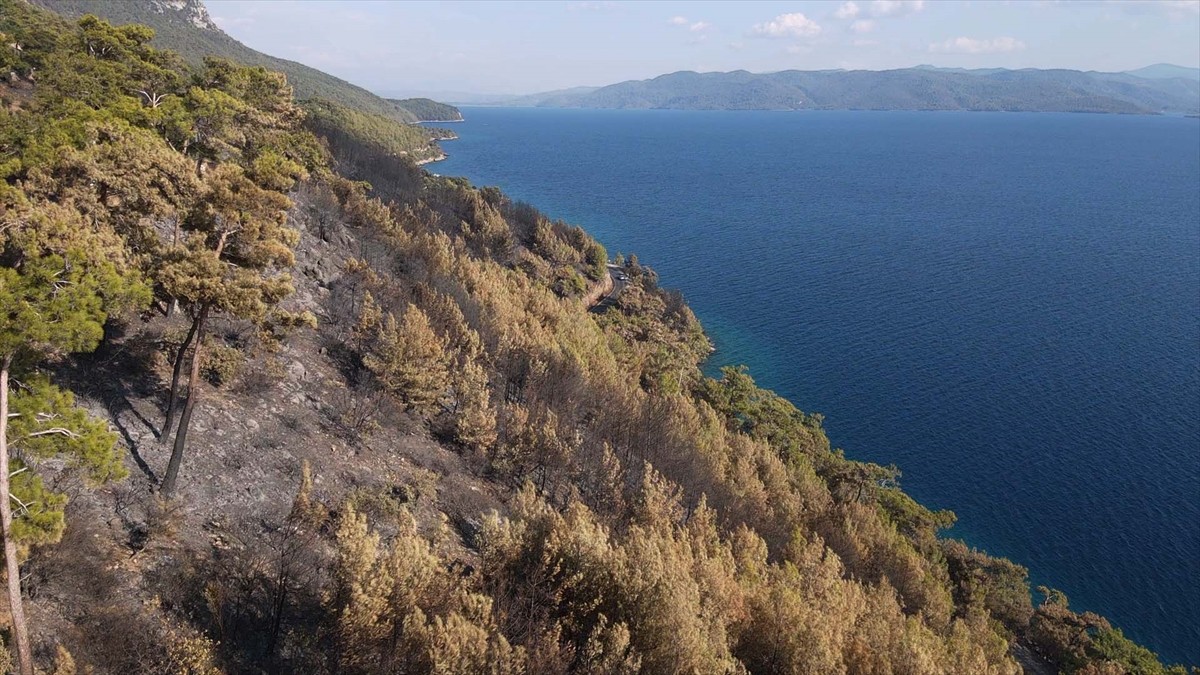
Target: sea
[1004,305]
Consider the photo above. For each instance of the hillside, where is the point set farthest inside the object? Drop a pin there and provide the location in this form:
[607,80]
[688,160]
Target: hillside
[336,107]
[427,110]
[341,125]
[921,88]
[285,404]
[184,26]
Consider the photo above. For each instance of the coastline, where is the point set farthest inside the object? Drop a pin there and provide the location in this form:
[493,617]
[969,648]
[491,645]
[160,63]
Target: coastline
[441,153]
[431,160]
[974,538]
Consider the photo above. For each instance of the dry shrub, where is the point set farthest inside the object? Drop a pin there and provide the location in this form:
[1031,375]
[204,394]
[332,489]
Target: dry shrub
[357,411]
[163,518]
[259,376]
[222,363]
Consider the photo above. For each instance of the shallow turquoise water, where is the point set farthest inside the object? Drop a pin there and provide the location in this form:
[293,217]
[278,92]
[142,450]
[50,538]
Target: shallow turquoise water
[1007,306]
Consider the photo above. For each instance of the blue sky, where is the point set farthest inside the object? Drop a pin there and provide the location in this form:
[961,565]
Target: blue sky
[525,47]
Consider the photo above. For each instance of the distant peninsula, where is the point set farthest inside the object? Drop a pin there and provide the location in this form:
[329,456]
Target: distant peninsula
[1158,89]
[429,110]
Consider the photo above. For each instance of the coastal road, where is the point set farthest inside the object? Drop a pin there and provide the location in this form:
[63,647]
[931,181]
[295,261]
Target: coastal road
[619,281]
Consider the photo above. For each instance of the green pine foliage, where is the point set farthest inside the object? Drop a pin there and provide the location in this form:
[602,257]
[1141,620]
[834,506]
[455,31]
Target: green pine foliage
[59,283]
[177,31]
[46,424]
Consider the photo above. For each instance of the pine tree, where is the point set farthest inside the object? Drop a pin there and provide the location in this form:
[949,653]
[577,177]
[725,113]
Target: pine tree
[409,359]
[58,284]
[236,244]
[366,328]
[232,264]
[360,595]
[475,422]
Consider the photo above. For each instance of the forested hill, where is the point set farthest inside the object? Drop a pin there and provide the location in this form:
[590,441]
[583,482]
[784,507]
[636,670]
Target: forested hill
[919,88]
[336,109]
[276,400]
[184,26]
[428,110]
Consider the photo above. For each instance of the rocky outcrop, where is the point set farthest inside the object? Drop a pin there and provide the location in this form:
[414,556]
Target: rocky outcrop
[192,11]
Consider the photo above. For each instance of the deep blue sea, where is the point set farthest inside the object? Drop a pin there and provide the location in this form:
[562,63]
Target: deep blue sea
[1006,306]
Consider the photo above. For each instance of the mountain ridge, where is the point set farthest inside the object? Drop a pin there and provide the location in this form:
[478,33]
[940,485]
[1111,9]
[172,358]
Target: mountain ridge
[918,88]
[1165,71]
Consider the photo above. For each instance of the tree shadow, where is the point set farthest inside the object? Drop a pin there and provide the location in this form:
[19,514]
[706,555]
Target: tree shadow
[116,375]
[115,409]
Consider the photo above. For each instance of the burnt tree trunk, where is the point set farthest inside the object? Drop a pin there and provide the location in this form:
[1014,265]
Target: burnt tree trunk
[168,484]
[173,401]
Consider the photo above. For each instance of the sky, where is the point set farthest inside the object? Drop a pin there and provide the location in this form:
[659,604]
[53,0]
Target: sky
[407,48]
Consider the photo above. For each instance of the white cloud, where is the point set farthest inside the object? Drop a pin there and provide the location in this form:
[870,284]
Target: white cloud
[862,26]
[692,26]
[737,45]
[896,7]
[787,26]
[848,10]
[966,45]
